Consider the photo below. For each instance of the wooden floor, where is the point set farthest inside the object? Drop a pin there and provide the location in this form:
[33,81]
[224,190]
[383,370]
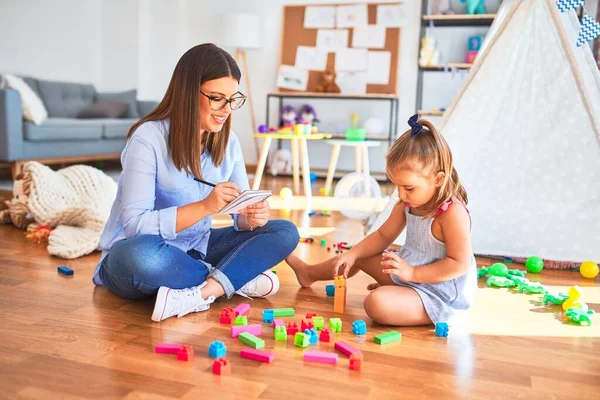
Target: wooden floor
[61,337]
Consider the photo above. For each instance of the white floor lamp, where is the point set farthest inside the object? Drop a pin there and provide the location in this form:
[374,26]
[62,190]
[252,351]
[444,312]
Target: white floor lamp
[242,33]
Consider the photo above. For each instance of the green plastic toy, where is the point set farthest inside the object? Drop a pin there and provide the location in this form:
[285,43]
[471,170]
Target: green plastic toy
[301,340]
[280,333]
[532,287]
[579,315]
[517,272]
[483,272]
[517,279]
[335,324]
[534,264]
[499,281]
[319,323]
[240,320]
[554,298]
[498,269]
[250,340]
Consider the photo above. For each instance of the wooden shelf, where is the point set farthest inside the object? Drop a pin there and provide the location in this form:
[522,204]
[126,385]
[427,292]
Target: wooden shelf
[441,67]
[431,113]
[334,95]
[460,20]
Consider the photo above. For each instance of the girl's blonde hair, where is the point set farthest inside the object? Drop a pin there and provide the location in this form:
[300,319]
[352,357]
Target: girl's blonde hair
[431,150]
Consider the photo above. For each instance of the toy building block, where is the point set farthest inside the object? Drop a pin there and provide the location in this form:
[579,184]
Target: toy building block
[319,322]
[167,348]
[330,290]
[185,353]
[241,320]
[359,327]
[323,243]
[284,312]
[65,270]
[221,366]
[227,315]
[320,357]
[292,328]
[257,355]
[242,309]
[356,361]
[280,333]
[325,335]
[335,324]
[307,324]
[312,334]
[339,298]
[301,340]
[388,337]
[345,348]
[278,322]
[255,329]
[309,315]
[268,316]
[250,340]
[217,349]
[441,329]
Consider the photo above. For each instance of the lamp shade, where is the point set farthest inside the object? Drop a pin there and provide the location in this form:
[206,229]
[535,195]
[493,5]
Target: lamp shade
[242,31]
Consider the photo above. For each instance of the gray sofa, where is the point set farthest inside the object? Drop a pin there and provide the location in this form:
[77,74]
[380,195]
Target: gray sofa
[63,137]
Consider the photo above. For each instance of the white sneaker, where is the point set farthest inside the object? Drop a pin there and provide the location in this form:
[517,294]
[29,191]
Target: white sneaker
[170,302]
[264,285]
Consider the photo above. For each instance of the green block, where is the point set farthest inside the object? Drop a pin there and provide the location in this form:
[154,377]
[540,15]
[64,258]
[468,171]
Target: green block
[335,324]
[240,320]
[284,312]
[388,337]
[280,333]
[323,243]
[301,340]
[251,340]
[318,322]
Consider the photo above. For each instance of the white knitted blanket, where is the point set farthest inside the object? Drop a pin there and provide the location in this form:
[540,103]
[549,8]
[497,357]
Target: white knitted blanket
[74,201]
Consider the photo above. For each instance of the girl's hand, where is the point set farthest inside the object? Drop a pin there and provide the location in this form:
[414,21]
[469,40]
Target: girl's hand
[257,214]
[221,195]
[345,262]
[395,265]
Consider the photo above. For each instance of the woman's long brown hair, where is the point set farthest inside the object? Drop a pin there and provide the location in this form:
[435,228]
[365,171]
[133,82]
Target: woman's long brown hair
[431,150]
[199,64]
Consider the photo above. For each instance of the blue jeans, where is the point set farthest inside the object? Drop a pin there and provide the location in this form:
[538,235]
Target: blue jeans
[136,268]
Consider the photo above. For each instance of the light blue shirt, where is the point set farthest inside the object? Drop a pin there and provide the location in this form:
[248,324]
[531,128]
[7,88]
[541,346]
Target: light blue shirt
[151,189]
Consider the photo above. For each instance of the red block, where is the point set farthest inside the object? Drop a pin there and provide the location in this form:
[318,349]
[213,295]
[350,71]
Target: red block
[227,315]
[356,361]
[185,353]
[292,328]
[307,324]
[221,366]
[325,335]
[309,315]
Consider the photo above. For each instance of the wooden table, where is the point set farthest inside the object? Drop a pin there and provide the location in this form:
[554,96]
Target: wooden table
[299,152]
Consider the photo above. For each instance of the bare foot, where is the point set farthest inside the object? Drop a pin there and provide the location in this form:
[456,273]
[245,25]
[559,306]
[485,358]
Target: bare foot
[373,286]
[301,270]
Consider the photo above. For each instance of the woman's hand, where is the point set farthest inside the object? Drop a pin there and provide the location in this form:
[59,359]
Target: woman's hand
[257,214]
[222,194]
[395,265]
[344,262]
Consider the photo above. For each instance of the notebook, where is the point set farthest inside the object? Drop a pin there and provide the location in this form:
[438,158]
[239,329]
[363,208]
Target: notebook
[245,199]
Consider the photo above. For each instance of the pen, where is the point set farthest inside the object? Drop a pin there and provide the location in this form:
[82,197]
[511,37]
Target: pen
[206,183]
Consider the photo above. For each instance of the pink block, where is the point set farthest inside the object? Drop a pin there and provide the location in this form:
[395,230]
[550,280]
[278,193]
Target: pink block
[242,309]
[278,322]
[345,348]
[255,329]
[320,357]
[167,348]
[257,355]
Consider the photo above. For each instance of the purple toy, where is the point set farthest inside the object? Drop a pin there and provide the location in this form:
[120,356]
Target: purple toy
[307,114]
[288,115]
[263,128]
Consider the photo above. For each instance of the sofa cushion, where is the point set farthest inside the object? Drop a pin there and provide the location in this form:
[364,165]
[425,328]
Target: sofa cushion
[105,109]
[129,96]
[65,99]
[31,105]
[63,129]
[116,128]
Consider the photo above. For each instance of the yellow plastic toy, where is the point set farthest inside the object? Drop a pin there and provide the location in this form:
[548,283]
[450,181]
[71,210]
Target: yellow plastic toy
[589,269]
[575,298]
[286,193]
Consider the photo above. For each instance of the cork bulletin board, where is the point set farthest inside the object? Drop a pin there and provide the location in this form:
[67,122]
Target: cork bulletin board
[295,34]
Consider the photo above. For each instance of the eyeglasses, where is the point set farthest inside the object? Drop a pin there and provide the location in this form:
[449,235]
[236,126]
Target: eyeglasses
[217,103]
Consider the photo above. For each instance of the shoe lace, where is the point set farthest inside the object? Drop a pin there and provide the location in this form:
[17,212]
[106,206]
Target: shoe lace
[191,300]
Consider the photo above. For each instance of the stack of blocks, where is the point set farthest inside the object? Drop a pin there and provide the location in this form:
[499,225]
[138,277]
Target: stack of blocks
[307,324]
[339,299]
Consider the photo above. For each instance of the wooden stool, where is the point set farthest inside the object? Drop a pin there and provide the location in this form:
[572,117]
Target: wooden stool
[361,157]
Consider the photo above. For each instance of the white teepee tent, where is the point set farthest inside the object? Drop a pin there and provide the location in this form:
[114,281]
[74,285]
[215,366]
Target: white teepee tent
[525,135]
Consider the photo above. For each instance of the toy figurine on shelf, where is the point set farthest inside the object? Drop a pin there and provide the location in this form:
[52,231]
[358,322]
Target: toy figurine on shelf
[475,6]
[307,115]
[441,7]
[327,84]
[429,54]
[288,116]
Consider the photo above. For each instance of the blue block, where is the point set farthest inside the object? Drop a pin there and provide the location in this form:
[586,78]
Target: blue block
[313,337]
[65,270]
[359,327]
[310,214]
[441,329]
[330,289]
[475,43]
[268,316]
[217,349]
